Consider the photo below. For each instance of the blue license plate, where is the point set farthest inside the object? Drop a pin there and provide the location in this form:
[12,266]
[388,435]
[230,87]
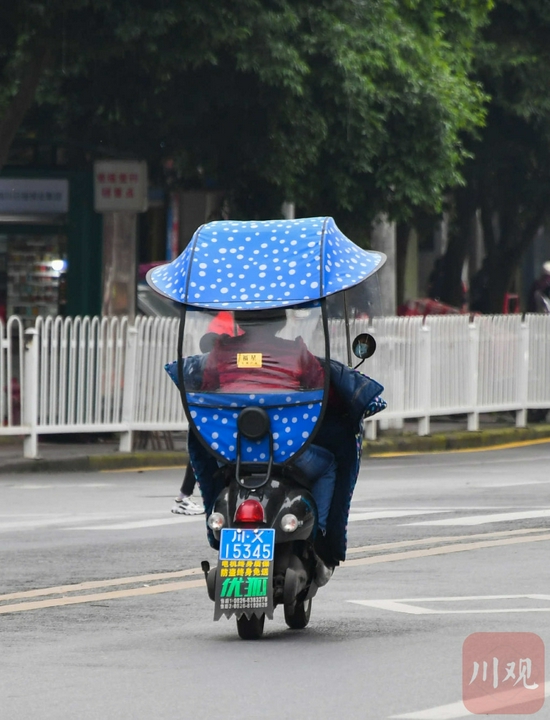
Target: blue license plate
[247,544]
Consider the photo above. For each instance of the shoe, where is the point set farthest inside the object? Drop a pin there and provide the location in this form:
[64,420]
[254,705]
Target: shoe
[324,564]
[186,506]
[323,573]
[323,551]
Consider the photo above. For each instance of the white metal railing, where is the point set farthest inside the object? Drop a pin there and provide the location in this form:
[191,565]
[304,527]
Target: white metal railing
[75,375]
[11,375]
[153,402]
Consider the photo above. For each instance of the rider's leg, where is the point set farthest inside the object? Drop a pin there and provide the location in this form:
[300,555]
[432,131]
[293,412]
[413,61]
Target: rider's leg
[205,468]
[319,464]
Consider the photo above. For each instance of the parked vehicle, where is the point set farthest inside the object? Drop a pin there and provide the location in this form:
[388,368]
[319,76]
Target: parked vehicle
[262,395]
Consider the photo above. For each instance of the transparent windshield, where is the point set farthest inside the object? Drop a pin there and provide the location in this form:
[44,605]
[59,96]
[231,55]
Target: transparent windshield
[363,301]
[265,351]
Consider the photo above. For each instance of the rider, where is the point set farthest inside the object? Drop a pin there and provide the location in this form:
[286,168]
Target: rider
[352,396]
[281,365]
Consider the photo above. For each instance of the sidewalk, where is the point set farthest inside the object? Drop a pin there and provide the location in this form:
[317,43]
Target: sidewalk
[451,433]
[84,453]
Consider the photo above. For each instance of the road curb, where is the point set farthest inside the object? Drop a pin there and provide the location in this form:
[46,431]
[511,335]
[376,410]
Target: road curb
[456,440]
[96,463]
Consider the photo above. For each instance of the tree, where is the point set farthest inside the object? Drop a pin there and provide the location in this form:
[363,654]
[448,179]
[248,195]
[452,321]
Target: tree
[348,107]
[44,45]
[22,64]
[508,176]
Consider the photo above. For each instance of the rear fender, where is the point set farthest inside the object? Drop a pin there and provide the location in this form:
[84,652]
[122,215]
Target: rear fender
[278,498]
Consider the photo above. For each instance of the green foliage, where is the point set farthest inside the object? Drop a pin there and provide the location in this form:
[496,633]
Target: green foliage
[349,107]
[508,176]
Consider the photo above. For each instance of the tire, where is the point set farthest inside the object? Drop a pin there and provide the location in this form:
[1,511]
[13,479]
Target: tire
[250,629]
[297,615]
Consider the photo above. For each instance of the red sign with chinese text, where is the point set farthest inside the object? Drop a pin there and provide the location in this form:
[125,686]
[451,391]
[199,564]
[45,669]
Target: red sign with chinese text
[120,185]
[503,673]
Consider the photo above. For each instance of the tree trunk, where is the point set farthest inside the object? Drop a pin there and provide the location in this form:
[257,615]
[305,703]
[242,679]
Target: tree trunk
[402,233]
[13,117]
[457,248]
[503,263]
[383,239]
[453,292]
[500,274]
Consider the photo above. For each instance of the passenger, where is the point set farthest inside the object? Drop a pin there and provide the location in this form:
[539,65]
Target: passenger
[222,324]
[280,365]
[285,364]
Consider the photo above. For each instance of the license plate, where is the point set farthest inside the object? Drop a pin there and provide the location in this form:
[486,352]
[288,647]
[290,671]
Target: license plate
[244,581]
[247,544]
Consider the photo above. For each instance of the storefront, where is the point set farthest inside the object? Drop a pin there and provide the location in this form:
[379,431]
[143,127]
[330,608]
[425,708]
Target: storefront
[50,246]
[35,274]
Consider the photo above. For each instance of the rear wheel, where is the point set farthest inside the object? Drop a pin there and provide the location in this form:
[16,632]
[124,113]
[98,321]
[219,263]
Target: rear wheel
[250,628]
[297,615]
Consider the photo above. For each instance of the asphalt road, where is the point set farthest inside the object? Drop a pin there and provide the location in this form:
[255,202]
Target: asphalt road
[440,547]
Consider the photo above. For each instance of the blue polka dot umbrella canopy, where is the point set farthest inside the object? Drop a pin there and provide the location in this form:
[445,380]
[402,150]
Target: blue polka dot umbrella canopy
[256,265]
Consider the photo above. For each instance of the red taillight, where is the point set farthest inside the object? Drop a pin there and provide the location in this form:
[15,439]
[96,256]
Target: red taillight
[250,511]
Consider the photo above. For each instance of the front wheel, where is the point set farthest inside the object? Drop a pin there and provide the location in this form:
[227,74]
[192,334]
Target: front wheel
[250,628]
[297,615]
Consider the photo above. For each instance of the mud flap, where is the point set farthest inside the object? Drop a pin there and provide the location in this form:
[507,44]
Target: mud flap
[296,579]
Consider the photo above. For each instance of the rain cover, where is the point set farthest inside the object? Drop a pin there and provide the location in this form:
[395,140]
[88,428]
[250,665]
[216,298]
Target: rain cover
[292,420]
[264,264]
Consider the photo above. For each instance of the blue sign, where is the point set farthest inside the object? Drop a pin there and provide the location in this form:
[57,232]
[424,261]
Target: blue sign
[247,544]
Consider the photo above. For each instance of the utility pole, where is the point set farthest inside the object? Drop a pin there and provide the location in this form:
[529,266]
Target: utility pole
[288,210]
[120,190]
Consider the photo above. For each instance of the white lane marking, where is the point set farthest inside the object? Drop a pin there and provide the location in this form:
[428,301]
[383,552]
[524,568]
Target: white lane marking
[514,483]
[437,539]
[27,515]
[482,519]
[54,486]
[443,712]
[88,521]
[457,710]
[394,606]
[32,521]
[404,605]
[381,466]
[383,514]
[135,525]
[357,508]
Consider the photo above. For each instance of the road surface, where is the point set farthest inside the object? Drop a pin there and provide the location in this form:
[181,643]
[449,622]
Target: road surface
[104,613]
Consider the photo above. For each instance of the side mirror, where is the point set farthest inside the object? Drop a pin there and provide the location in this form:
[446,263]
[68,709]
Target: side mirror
[364,346]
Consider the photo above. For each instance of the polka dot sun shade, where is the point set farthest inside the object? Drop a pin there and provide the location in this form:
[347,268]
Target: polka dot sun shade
[255,265]
[292,417]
